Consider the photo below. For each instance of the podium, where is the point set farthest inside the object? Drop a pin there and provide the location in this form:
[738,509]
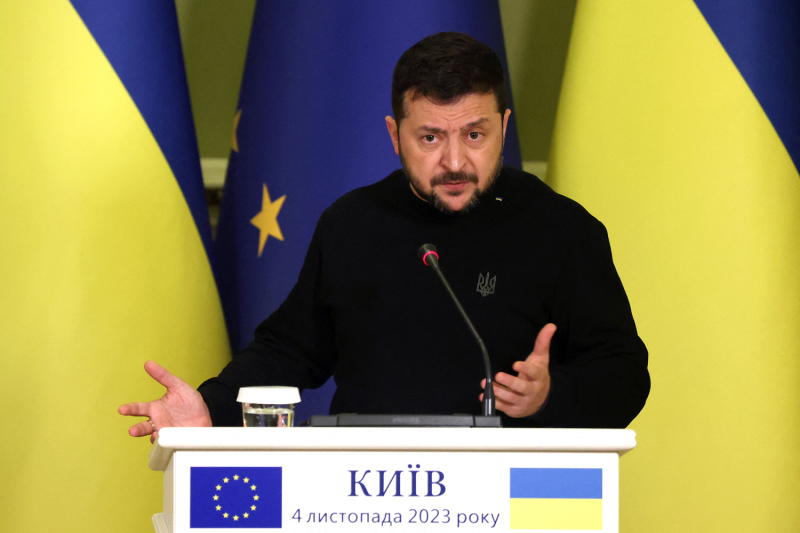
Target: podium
[389,479]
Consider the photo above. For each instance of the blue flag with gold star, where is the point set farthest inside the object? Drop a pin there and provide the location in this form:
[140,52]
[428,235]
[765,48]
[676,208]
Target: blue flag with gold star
[309,128]
[235,497]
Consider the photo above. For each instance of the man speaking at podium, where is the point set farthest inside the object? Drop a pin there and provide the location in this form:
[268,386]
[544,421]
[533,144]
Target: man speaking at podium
[532,269]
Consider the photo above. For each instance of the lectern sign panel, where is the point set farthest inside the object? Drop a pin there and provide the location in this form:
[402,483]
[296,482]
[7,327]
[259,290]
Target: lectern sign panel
[394,491]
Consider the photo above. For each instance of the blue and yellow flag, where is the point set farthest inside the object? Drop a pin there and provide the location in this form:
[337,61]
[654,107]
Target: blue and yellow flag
[310,127]
[103,258]
[556,498]
[679,128]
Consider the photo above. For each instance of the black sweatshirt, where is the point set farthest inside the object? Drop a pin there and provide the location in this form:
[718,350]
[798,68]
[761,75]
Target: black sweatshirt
[366,310]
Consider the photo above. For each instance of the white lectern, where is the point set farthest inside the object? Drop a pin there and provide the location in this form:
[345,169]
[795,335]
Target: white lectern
[389,479]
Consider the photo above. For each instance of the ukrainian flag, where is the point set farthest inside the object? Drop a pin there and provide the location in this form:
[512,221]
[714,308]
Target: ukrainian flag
[103,263]
[557,498]
[679,127]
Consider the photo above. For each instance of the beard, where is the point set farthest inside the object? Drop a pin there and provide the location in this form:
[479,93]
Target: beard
[435,200]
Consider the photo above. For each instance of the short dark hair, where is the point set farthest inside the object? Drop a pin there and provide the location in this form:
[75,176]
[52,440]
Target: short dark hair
[445,67]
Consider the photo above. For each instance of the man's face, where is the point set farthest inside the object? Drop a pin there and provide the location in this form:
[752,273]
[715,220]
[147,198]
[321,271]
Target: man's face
[452,152]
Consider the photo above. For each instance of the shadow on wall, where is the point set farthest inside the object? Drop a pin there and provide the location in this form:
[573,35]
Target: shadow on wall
[214,35]
[537,36]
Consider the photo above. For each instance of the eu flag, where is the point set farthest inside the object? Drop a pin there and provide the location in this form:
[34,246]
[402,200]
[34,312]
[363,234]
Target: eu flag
[310,127]
[235,497]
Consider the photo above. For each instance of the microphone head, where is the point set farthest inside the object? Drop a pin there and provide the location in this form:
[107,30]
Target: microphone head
[425,250]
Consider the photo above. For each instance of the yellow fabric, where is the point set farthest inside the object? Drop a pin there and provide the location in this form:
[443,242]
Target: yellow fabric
[102,268]
[659,137]
[556,513]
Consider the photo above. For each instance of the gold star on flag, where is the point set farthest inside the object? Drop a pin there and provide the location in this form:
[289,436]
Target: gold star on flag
[252,507]
[216,497]
[225,479]
[219,487]
[255,497]
[246,480]
[219,507]
[267,219]
[252,487]
[224,515]
[236,517]
[245,515]
[235,478]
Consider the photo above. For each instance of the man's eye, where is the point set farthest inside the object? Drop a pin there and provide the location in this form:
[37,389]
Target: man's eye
[429,138]
[474,135]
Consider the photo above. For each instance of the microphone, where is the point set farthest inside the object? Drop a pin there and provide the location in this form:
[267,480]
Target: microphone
[429,256]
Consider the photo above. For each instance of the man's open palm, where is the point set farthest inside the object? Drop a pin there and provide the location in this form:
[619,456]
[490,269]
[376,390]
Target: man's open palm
[181,406]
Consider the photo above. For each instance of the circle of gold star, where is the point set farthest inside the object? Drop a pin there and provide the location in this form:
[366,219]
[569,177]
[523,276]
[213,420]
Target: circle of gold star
[219,507]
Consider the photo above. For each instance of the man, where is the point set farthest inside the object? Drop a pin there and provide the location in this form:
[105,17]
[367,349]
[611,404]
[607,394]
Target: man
[368,312]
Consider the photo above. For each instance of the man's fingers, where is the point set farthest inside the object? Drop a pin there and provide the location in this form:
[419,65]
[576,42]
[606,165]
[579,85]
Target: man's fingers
[141,429]
[160,374]
[483,383]
[135,409]
[507,408]
[511,382]
[503,394]
[508,396]
[530,371]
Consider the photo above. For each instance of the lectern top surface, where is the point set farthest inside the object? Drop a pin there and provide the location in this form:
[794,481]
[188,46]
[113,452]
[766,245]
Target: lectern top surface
[389,439]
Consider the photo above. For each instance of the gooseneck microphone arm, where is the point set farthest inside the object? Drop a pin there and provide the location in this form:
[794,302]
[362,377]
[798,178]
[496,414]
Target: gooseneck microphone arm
[427,252]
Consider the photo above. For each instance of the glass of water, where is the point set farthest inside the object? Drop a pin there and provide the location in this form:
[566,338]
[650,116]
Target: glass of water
[268,406]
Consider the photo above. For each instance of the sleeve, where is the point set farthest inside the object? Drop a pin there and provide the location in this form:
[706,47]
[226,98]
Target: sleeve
[293,347]
[598,363]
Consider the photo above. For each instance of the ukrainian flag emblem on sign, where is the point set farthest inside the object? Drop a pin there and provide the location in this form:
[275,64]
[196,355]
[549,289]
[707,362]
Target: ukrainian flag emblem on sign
[556,498]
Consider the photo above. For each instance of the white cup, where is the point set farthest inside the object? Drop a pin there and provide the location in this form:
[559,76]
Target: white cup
[268,406]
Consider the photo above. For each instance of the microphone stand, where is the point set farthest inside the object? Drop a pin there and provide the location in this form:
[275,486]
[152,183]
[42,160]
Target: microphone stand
[429,256]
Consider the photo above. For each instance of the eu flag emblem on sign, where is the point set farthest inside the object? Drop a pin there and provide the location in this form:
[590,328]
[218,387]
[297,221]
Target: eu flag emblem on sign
[557,498]
[234,497]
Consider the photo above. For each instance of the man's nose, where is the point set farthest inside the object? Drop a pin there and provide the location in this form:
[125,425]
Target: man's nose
[453,157]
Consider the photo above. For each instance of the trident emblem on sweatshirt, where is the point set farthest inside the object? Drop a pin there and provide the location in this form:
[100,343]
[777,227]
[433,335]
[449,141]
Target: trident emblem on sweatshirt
[486,284]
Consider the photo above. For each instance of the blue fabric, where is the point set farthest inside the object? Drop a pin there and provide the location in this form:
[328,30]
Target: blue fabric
[762,37]
[141,40]
[585,483]
[316,89]
[235,497]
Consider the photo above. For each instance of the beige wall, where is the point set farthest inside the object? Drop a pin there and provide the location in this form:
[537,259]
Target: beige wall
[214,34]
[537,36]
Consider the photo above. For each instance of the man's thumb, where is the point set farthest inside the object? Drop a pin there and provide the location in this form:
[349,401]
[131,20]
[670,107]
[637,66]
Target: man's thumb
[542,345]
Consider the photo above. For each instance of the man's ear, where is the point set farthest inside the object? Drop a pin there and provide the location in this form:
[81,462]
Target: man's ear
[505,122]
[391,125]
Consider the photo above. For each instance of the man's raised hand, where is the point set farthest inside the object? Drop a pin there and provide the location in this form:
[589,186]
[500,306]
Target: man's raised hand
[525,394]
[181,406]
